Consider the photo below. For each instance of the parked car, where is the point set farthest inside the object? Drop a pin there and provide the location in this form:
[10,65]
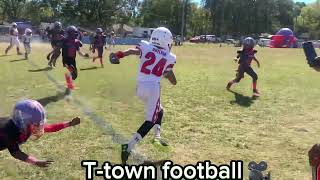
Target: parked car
[263,42]
[204,39]
[178,40]
[230,41]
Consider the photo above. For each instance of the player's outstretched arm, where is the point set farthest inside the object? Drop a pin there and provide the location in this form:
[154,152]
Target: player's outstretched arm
[115,57]
[49,128]
[128,52]
[171,77]
[18,154]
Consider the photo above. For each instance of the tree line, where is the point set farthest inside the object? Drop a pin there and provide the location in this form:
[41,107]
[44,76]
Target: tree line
[219,17]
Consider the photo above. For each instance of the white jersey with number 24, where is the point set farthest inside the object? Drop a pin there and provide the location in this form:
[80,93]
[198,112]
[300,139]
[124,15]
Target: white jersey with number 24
[154,62]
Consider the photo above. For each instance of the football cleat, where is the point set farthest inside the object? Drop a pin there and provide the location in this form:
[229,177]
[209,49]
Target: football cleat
[50,64]
[229,85]
[124,153]
[256,93]
[67,92]
[160,141]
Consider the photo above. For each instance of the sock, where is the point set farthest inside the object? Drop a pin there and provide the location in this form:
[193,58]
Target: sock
[157,126]
[254,85]
[134,140]
[142,131]
[101,62]
[69,81]
[157,130]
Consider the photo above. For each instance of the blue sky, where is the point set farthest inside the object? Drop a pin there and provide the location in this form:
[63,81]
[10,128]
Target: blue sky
[306,1]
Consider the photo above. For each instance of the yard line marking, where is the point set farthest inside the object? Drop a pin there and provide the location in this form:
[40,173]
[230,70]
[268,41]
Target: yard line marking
[104,125]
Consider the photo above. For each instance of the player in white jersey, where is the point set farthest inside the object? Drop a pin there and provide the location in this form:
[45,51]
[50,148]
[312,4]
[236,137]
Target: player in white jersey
[26,39]
[14,39]
[156,61]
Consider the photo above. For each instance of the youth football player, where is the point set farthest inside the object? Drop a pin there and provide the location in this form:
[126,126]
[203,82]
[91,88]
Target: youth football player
[26,39]
[70,46]
[99,41]
[56,35]
[156,61]
[14,39]
[28,120]
[244,58]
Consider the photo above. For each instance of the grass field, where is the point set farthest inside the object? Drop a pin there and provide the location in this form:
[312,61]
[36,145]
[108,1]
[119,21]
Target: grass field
[202,120]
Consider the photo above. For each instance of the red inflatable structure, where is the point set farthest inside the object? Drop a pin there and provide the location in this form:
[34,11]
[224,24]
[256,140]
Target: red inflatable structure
[284,39]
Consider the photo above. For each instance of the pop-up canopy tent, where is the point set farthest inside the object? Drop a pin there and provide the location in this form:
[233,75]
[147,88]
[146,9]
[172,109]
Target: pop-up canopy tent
[284,38]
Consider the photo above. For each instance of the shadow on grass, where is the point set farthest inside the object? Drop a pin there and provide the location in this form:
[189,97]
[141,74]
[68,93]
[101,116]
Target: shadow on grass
[42,69]
[17,60]
[45,101]
[51,99]
[88,69]
[4,55]
[241,100]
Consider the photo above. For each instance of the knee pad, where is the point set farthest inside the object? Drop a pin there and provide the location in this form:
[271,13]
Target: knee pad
[145,128]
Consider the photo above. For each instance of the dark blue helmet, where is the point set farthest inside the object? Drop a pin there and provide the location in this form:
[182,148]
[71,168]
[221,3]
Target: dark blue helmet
[28,112]
[72,32]
[248,43]
[57,25]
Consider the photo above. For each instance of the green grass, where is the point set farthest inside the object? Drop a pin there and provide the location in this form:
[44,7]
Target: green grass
[202,120]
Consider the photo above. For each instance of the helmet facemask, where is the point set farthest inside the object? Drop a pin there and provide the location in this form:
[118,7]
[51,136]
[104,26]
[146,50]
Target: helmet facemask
[37,130]
[99,31]
[57,25]
[248,43]
[72,32]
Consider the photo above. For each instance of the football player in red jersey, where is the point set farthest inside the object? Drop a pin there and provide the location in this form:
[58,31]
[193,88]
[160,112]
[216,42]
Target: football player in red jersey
[98,43]
[245,57]
[28,120]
